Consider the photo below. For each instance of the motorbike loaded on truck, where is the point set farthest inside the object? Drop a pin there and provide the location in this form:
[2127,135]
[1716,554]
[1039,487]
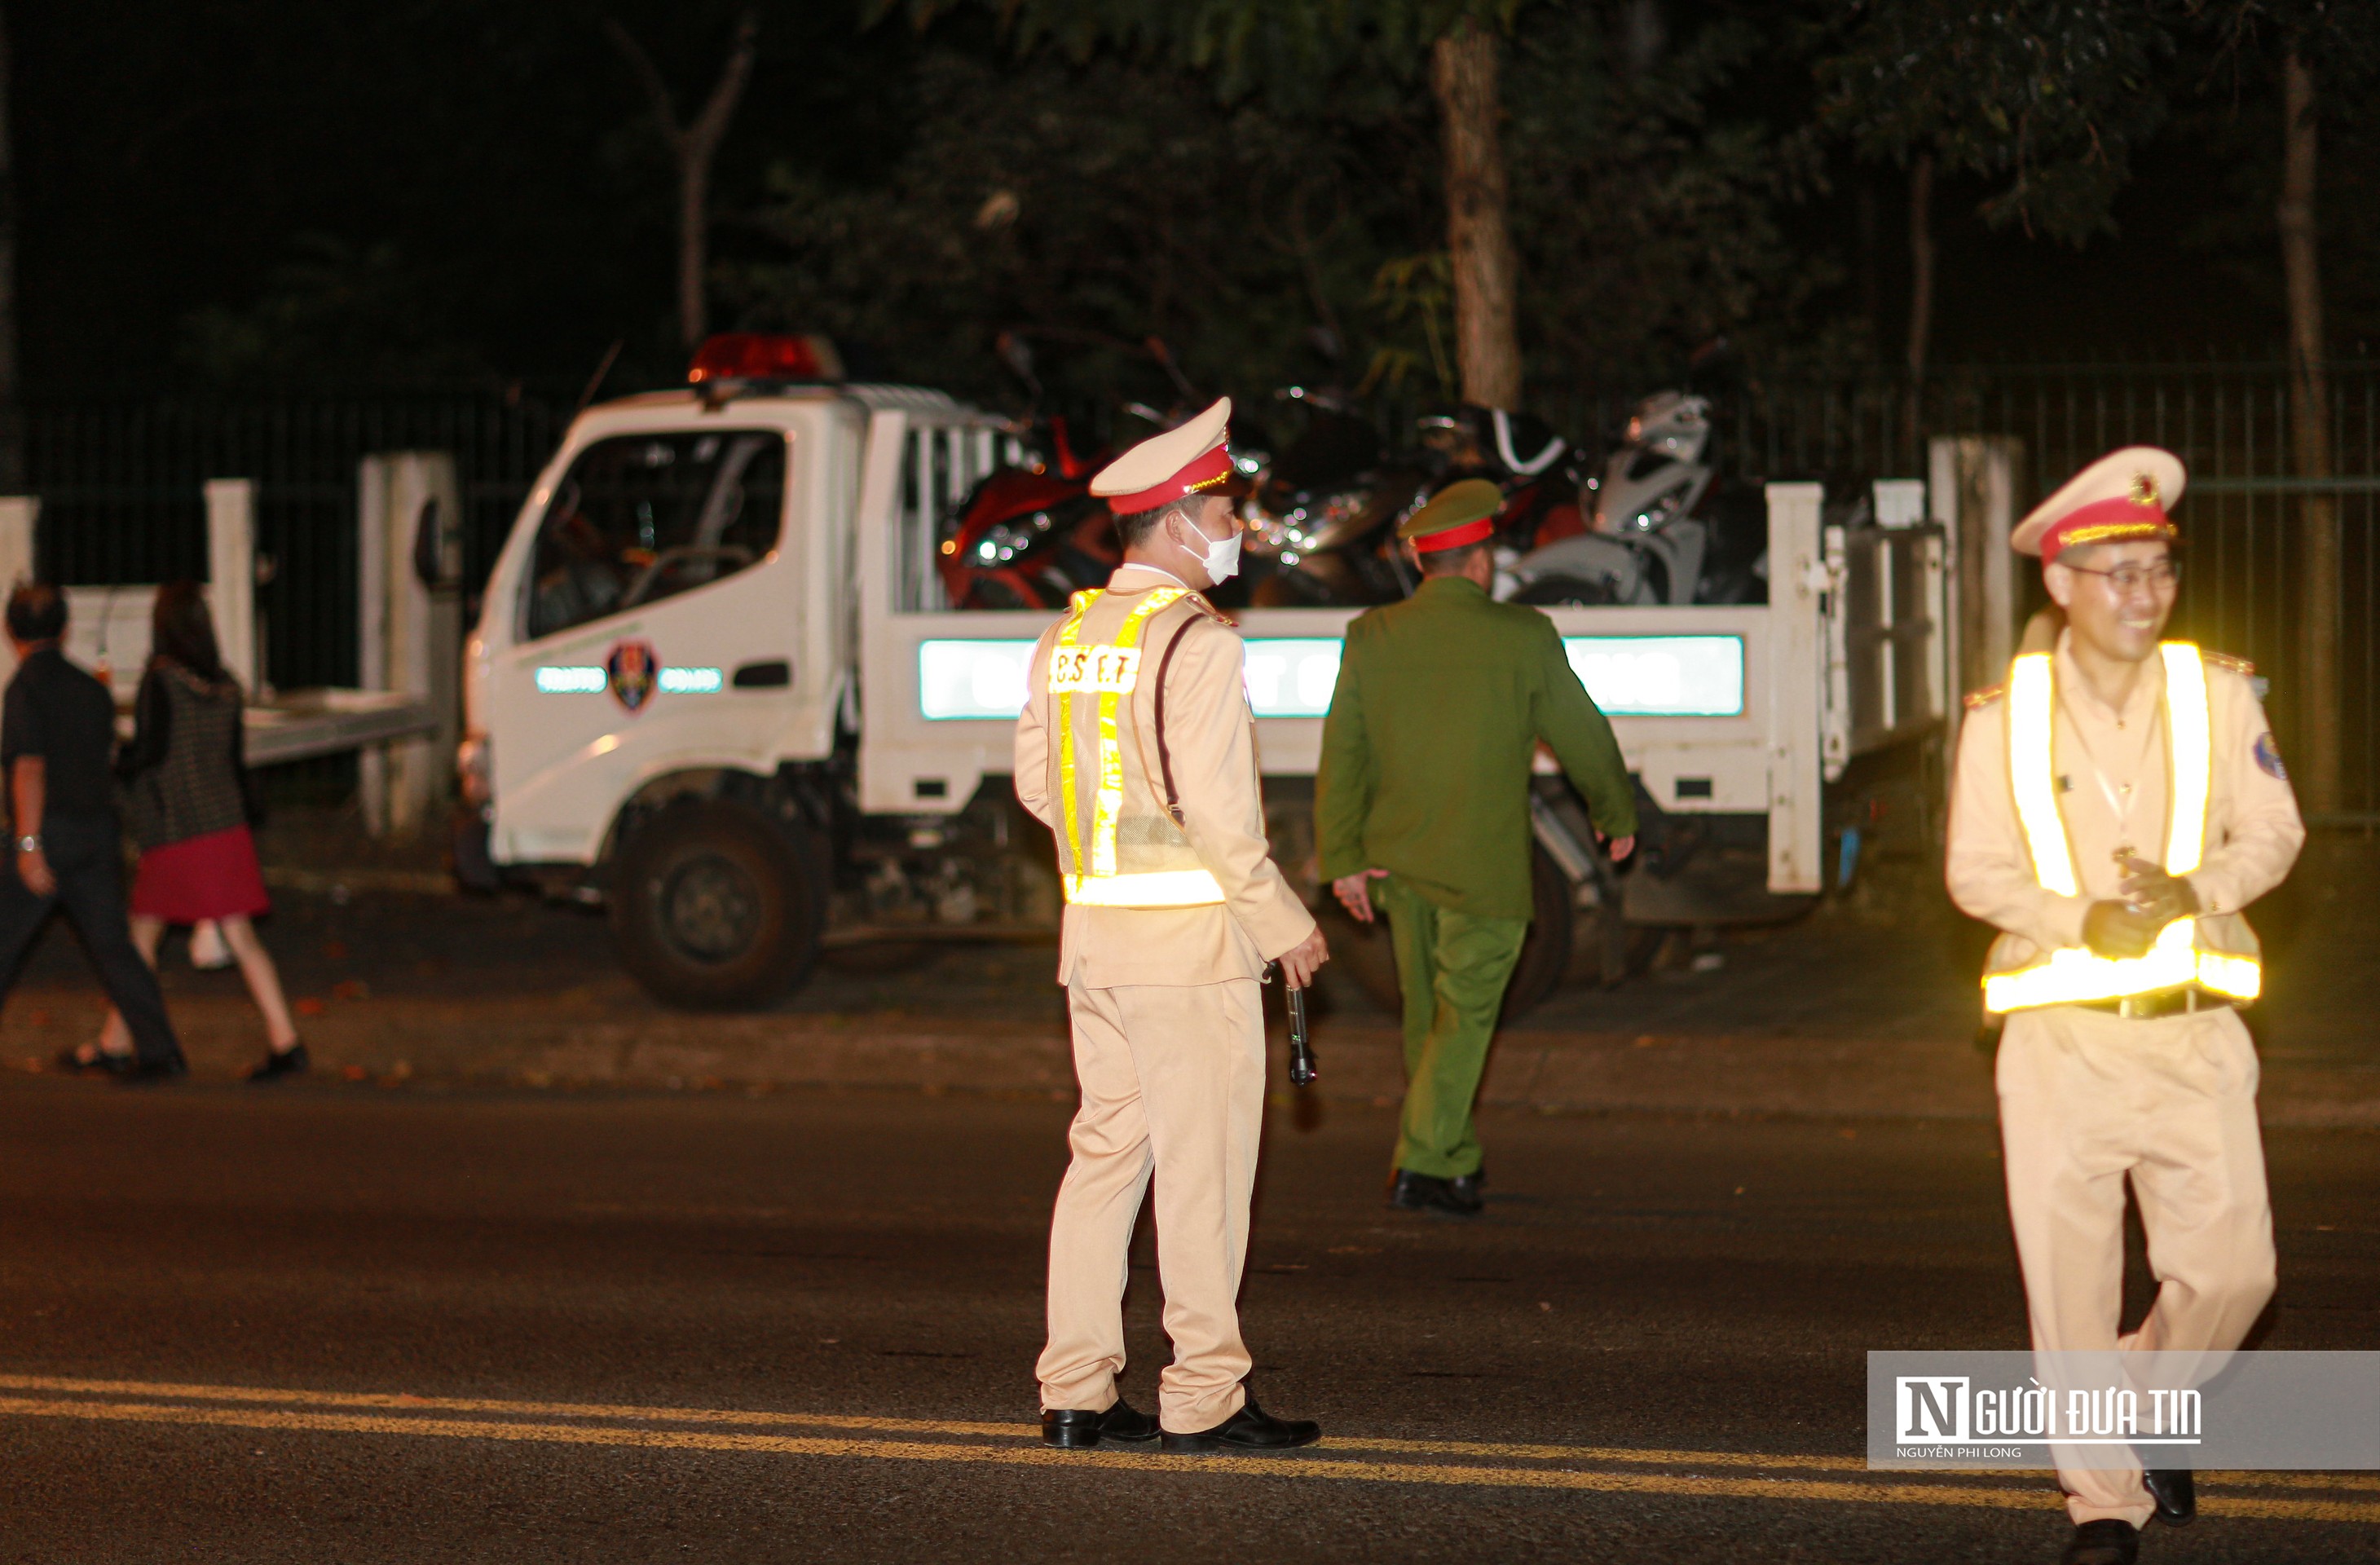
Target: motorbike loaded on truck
[749,661]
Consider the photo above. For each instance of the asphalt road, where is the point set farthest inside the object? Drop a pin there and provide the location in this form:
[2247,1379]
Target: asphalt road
[337,1323]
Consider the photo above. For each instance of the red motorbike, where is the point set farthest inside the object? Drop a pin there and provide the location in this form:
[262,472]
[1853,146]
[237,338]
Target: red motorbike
[1028,537]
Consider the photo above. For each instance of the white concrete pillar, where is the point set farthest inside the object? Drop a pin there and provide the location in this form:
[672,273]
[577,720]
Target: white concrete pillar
[1798,580]
[1974,495]
[19,514]
[411,632]
[231,579]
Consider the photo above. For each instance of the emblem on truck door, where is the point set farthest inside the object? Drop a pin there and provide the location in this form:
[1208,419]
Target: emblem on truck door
[632,669]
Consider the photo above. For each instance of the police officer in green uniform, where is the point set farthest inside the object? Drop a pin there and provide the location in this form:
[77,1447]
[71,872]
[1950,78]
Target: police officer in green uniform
[1424,787]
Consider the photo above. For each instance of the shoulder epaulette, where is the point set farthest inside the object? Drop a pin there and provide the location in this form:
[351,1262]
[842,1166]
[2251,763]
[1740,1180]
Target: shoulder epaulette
[1198,600]
[2225,659]
[1985,697]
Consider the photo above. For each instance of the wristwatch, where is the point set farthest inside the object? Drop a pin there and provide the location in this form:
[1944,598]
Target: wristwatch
[29,845]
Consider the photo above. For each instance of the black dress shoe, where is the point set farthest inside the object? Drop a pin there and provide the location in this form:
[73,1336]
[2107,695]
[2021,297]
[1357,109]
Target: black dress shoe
[2176,1492]
[1078,1429]
[74,1061]
[2109,1542]
[1250,1429]
[1411,1192]
[149,1072]
[280,1062]
[1464,1188]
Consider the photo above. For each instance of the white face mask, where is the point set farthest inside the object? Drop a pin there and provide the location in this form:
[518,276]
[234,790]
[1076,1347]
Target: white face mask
[1221,559]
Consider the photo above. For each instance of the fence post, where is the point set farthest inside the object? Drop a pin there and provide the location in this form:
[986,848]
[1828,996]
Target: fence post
[1797,580]
[1973,490]
[231,578]
[410,632]
[19,514]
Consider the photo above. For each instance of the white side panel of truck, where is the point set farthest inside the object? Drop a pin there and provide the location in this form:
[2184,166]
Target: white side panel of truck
[1715,708]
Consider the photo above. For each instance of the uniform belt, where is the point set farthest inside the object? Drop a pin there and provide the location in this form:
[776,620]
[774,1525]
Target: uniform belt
[2164,1002]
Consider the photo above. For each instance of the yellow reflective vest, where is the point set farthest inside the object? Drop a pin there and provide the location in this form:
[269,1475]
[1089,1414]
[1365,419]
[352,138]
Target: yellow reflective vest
[2181,955]
[1127,850]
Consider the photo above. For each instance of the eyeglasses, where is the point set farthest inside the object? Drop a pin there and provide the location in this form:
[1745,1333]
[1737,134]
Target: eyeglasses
[2131,578]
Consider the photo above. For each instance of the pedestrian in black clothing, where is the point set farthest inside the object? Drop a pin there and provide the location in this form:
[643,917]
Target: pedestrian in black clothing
[57,736]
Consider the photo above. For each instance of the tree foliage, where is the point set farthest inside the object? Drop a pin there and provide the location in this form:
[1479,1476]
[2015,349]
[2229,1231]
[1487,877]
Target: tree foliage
[2047,100]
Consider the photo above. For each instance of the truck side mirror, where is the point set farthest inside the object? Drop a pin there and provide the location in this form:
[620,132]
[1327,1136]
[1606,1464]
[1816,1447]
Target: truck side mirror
[429,566]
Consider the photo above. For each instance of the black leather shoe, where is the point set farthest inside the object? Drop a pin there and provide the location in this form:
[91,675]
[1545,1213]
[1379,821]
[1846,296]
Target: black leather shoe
[1464,1189]
[2176,1492]
[280,1062]
[2103,1543]
[1078,1429]
[149,1072]
[1250,1429]
[1411,1192]
[74,1063]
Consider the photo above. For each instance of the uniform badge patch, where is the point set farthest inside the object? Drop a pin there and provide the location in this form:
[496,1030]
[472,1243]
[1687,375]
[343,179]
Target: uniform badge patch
[632,671]
[2268,756]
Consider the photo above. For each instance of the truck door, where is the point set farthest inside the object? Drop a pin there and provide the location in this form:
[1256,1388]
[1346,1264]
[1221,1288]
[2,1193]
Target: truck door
[659,614]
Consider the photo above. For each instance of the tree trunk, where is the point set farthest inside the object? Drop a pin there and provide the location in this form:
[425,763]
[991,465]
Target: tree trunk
[1920,291]
[1486,342]
[694,147]
[693,246]
[12,402]
[2316,740]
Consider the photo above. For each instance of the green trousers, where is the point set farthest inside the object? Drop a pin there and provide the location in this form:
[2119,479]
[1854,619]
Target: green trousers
[1452,968]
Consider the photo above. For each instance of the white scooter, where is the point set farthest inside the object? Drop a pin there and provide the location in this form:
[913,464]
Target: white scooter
[1648,545]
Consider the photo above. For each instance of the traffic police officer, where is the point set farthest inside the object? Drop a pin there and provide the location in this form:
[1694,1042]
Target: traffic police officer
[1136,747]
[2117,804]
[1423,787]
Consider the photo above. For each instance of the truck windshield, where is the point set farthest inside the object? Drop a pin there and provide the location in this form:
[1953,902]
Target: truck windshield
[642,517]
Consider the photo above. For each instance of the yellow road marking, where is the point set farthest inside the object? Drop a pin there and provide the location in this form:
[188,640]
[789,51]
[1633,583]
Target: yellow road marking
[405,1401]
[1444,1475]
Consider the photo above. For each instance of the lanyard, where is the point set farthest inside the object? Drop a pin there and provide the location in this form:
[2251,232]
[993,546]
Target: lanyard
[2120,808]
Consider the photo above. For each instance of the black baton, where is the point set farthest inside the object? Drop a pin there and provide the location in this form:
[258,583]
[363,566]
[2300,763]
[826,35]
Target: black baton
[1301,1051]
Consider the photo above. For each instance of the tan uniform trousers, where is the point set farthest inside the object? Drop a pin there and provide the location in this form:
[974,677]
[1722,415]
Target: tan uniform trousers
[2087,1099]
[1172,1079]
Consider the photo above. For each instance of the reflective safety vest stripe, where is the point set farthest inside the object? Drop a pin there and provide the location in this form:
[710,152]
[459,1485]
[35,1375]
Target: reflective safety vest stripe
[1108,673]
[2074,974]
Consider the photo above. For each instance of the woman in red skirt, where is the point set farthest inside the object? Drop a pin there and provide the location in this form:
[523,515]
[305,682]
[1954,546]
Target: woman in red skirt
[187,785]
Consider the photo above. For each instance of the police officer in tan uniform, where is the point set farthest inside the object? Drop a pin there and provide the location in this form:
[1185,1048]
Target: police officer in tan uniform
[1136,747]
[2117,804]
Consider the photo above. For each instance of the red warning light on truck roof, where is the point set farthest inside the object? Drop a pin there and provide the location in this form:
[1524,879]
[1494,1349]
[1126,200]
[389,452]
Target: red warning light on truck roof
[762,356]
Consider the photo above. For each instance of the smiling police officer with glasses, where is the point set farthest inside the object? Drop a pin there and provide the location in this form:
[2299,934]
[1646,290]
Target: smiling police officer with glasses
[2118,803]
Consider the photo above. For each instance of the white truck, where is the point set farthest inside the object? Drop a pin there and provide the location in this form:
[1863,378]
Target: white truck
[715,686]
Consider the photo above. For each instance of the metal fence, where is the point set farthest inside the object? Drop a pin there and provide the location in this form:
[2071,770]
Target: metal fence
[119,483]
[2246,589]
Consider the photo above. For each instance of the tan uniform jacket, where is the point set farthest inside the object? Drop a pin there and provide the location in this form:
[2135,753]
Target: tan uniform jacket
[1211,734]
[2111,769]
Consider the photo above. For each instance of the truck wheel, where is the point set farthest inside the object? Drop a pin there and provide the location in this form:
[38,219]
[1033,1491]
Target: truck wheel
[713,908]
[1545,955]
[1363,952]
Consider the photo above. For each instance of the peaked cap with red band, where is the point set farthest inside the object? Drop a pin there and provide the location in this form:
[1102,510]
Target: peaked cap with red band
[1459,514]
[2122,498]
[1190,458]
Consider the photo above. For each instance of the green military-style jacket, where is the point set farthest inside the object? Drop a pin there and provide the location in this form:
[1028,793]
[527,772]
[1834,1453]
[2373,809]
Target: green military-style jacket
[1426,752]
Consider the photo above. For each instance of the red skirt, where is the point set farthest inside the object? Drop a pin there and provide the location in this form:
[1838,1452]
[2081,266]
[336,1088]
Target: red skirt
[211,877]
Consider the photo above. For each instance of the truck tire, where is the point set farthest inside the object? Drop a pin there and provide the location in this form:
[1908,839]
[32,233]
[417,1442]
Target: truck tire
[1363,952]
[714,907]
[1545,955]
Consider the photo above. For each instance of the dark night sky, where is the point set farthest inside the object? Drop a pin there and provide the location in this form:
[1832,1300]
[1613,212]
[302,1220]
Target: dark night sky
[173,154]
